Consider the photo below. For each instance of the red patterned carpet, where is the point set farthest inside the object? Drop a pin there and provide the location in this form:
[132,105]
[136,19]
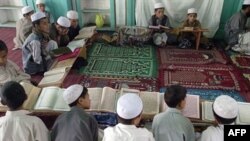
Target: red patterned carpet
[142,84]
[205,77]
[190,56]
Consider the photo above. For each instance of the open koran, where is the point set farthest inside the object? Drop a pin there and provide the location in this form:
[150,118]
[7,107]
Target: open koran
[244,113]
[56,75]
[86,32]
[192,107]
[48,98]
[105,99]
[207,111]
[51,98]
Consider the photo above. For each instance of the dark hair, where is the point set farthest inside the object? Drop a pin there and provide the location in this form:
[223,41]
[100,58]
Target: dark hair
[174,95]
[223,120]
[83,94]
[13,95]
[3,46]
[37,22]
[245,7]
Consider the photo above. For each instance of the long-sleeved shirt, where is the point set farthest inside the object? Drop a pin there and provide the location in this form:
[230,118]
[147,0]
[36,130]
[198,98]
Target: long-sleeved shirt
[171,125]
[75,125]
[18,126]
[23,30]
[213,133]
[36,58]
[11,72]
[122,132]
[234,26]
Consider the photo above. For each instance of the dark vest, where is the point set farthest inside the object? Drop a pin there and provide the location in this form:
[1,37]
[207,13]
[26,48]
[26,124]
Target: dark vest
[163,21]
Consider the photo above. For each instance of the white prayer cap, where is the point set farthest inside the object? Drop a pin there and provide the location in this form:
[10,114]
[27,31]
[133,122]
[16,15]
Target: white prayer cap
[37,16]
[72,15]
[72,93]
[40,2]
[129,106]
[159,5]
[246,2]
[192,11]
[26,9]
[225,107]
[63,21]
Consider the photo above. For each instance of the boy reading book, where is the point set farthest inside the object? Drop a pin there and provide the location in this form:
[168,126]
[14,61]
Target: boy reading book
[9,71]
[74,26]
[159,19]
[187,39]
[171,125]
[75,124]
[129,110]
[17,124]
[225,111]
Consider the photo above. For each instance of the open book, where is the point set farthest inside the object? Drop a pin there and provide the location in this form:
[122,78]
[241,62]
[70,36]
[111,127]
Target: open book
[56,75]
[51,98]
[192,107]
[242,118]
[86,32]
[76,44]
[158,27]
[105,99]
[48,98]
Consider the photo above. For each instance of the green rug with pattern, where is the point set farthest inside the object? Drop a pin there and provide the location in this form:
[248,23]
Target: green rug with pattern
[119,67]
[106,60]
[106,50]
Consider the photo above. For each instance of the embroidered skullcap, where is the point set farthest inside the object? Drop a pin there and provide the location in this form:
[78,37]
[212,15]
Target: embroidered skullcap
[63,21]
[158,5]
[37,16]
[72,93]
[40,2]
[72,15]
[129,106]
[225,107]
[26,9]
[246,2]
[192,11]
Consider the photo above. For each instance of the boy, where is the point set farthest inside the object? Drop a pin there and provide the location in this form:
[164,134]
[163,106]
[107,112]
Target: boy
[188,38]
[161,20]
[75,124]
[9,71]
[17,124]
[171,125]
[59,31]
[40,4]
[74,27]
[23,27]
[129,110]
[36,50]
[237,25]
[225,111]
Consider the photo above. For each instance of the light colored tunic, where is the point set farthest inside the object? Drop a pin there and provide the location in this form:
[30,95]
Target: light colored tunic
[75,125]
[234,26]
[18,126]
[11,72]
[171,125]
[213,133]
[122,132]
[36,58]
[23,30]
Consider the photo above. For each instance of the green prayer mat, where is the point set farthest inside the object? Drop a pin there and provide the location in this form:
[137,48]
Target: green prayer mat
[120,67]
[106,50]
